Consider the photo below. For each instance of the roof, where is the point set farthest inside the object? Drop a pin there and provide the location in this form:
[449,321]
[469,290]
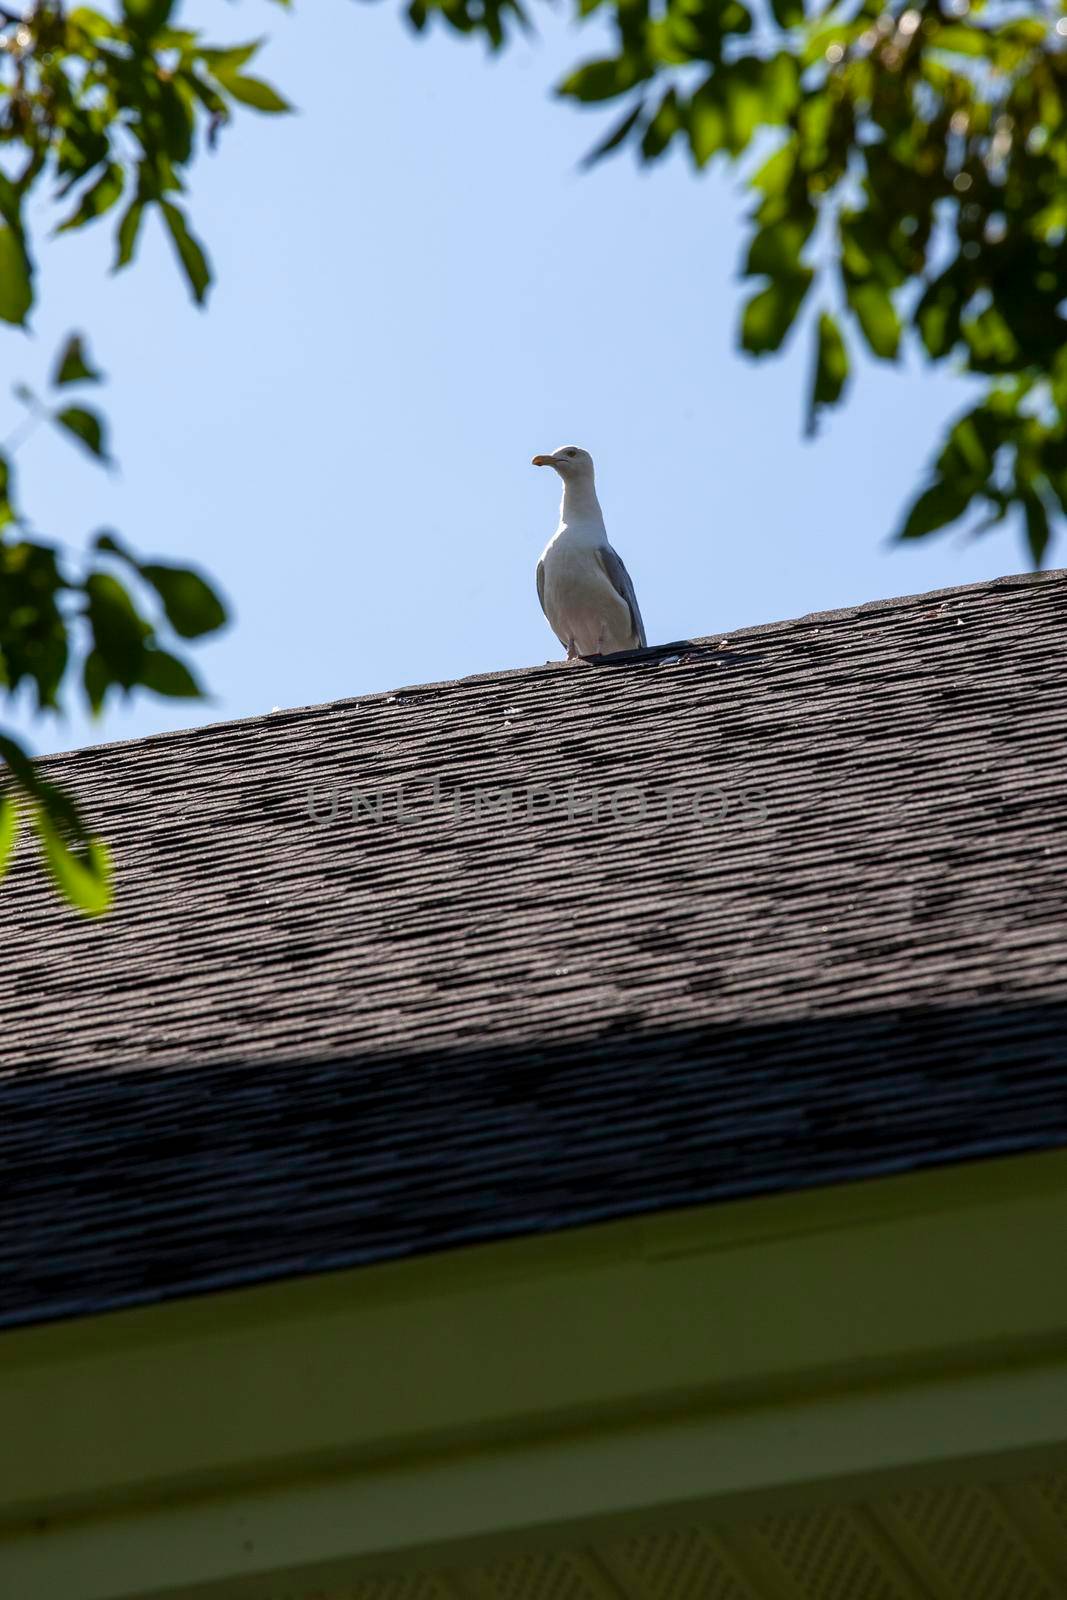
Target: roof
[304,1044]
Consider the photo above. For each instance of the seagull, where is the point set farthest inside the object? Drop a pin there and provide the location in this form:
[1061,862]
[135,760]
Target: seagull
[584,589]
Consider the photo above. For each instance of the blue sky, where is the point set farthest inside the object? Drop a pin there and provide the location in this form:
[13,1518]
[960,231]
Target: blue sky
[417,289]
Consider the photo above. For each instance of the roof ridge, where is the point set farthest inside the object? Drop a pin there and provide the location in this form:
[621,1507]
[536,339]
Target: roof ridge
[730,635]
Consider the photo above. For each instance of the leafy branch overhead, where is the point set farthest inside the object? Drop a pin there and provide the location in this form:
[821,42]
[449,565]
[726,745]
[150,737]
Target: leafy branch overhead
[105,114]
[909,182]
[108,112]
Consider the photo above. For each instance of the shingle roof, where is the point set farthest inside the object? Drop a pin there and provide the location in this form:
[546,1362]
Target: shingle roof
[302,1044]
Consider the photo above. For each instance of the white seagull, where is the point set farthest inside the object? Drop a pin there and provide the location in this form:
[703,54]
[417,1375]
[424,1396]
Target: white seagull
[584,589]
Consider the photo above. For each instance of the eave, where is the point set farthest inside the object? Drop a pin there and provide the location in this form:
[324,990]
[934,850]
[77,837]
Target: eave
[710,1364]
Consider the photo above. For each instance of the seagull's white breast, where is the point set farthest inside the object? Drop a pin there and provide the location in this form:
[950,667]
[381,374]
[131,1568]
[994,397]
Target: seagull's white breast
[580,601]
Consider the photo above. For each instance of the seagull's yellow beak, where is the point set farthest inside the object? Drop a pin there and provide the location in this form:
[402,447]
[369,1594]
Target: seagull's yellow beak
[542,461]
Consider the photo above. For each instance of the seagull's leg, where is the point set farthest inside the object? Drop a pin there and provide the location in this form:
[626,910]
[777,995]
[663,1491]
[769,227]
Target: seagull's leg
[572,652]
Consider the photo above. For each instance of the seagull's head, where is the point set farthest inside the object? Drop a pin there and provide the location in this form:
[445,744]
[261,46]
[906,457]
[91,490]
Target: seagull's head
[569,462]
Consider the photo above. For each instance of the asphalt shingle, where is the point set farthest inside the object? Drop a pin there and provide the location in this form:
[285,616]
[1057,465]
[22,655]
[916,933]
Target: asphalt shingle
[782,909]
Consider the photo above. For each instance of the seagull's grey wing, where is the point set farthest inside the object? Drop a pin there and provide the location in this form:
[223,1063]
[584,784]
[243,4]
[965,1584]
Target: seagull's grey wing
[619,579]
[544,608]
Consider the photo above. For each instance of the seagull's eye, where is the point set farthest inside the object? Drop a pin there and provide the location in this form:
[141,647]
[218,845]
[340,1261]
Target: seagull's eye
[572,452]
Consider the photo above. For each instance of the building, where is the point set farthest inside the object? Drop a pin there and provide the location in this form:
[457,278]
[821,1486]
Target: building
[581,1133]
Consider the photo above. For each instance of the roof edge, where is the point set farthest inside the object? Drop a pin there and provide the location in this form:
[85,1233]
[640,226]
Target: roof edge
[730,636]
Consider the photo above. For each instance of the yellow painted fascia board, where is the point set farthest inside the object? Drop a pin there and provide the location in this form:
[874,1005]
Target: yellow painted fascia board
[733,1315]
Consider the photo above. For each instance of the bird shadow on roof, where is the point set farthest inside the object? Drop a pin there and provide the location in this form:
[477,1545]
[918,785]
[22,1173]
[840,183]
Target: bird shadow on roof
[678,653]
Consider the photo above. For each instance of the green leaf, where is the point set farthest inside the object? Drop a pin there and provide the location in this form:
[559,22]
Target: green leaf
[126,237]
[775,249]
[831,369]
[744,95]
[778,82]
[614,138]
[662,128]
[876,315]
[20,765]
[16,290]
[78,863]
[87,427]
[962,40]
[147,17]
[212,101]
[113,547]
[82,876]
[991,343]
[865,252]
[10,203]
[119,631]
[769,315]
[937,506]
[9,830]
[96,679]
[773,178]
[165,674]
[73,365]
[7,492]
[938,314]
[602,80]
[191,604]
[966,453]
[232,58]
[177,120]
[708,126]
[251,91]
[1037,528]
[788,13]
[190,252]
[97,199]
[813,131]
[33,630]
